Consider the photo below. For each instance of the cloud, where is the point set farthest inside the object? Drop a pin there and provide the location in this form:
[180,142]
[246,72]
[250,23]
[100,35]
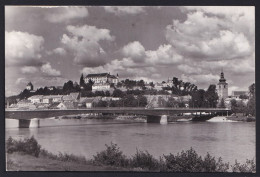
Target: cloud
[125,67]
[201,78]
[189,69]
[164,55]
[124,10]
[65,14]
[21,80]
[49,71]
[22,48]
[59,51]
[134,50]
[210,37]
[29,69]
[84,42]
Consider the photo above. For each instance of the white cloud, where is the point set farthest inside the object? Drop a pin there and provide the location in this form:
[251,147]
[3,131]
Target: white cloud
[65,14]
[59,51]
[124,10]
[164,55]
[211,37]
[201,78]
[22,48]
[21,80]
[49,71]
[188,69]
[134,50]
[29,69]
[83,41]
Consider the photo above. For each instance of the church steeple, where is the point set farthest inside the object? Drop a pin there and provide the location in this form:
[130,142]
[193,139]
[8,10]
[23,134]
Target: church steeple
[222,78]
[222,87]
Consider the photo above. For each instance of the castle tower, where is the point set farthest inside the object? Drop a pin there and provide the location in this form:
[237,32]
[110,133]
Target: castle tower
[29,86]
[222,87]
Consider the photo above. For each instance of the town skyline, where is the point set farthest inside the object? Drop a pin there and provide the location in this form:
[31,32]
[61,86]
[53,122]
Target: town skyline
[149,43]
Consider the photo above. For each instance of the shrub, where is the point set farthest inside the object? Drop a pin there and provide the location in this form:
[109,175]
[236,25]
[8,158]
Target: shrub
[144,160]
[189,161]
[27,145]
[248,167]
[64,157]
[111,156]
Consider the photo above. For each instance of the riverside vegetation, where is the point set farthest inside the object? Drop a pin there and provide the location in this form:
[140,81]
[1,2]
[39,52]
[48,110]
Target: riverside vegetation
[186,161]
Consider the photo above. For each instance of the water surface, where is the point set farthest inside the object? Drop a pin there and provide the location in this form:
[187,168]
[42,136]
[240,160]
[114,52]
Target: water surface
[231,141]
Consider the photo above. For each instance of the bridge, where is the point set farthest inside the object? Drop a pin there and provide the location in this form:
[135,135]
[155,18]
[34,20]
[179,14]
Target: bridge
[153,114]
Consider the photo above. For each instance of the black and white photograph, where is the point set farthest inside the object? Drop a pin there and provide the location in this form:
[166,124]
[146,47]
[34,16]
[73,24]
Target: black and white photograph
[130,88]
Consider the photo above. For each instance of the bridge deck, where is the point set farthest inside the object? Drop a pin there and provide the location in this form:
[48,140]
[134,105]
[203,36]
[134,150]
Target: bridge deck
[29,114]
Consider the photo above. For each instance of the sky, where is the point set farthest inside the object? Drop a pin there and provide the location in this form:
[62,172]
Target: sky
[49,45]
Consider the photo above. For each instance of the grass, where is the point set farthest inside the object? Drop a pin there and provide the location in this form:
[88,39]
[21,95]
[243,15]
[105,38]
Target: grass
[186,161]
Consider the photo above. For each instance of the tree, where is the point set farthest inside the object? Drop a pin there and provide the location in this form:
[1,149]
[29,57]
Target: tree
[107,93]
[81,81]
[211,96]
[118,93]
[251,103]
[222,103]
[198,98]
[233,105]
[142,101]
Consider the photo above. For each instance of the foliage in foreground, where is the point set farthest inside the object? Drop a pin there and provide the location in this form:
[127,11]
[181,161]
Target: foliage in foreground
[186,161]
[28,146]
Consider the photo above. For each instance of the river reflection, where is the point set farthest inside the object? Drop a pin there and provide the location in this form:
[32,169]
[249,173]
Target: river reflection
[86,137]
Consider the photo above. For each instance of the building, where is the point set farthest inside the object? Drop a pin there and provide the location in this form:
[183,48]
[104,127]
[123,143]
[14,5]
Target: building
[47,99]
[100,87]
[67,105]
[29,86]
[89,102]
[36,98]
[237,94]
[101,78]
[222,87]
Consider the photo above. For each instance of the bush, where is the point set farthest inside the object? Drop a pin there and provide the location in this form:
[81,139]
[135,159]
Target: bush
[27,145]
[189,161]
[64,157]
[248,167]
[111,156]
[144,160]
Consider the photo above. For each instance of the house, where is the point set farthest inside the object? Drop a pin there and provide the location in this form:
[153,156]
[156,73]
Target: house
[75,95]
[67,105]
[67,98]
[25,104]
[110,98]
[51,88]
[47,99]
[101,78]
[36,98]
[56,98]
[158,86]
[237,94]
[100,87]
[89,102]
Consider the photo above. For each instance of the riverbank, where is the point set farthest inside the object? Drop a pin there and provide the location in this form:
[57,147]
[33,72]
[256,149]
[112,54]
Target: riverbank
[19,161]
[27,155]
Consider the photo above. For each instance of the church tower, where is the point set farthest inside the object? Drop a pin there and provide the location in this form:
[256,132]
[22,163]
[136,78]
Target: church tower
[222,87]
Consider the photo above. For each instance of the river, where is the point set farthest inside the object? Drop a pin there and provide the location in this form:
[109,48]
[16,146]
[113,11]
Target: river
[229,140]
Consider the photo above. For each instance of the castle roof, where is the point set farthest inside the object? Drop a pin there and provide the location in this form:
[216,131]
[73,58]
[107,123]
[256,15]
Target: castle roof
[98,75]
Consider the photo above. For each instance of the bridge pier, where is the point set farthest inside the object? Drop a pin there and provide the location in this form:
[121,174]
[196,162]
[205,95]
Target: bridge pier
[22,123]
[163,119]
